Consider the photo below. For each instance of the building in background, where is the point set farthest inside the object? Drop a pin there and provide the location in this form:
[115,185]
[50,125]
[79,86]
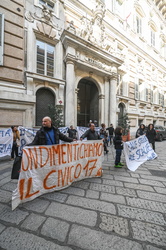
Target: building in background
[97,59]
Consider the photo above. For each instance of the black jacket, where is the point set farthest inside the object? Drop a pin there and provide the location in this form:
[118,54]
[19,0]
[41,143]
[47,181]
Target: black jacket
[151,135]
[40,138]
[91,135]
[110,130]
[118,142]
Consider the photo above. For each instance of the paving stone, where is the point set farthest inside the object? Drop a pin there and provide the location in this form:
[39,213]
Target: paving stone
[55,229]
[126,179]
[160,190]
[2,227]
[113,198]
[115,224]
[107,176]
[10,186]
[14,239]
[36,205]
[73,190]
[73,214]
[141,214]
[96,180]
[113,183]
[81,184]
[5,196]
[135,175]
[151,196]
[85,238]
[55,196]
[92,194]
[5,180]
[153,177]
[153,248]
[119,173]
[151,182]
[33,222]
[14,217]
[92,204]
[103,188]
[149,233]
[126,191]
[149,205]
[138,186]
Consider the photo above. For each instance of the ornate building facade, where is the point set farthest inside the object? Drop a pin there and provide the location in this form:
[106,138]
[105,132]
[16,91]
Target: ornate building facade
[97,59]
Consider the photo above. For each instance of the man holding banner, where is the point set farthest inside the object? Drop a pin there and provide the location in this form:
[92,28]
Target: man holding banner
[48,134]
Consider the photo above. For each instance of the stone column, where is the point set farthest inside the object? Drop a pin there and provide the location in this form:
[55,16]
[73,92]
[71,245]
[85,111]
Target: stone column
[70,94]
[101,109]
[113,90]
[106,104]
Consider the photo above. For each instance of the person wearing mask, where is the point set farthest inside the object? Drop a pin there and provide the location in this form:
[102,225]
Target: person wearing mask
[151,135]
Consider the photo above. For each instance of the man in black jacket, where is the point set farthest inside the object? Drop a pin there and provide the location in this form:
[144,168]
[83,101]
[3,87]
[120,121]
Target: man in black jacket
[48,134]
[91,134]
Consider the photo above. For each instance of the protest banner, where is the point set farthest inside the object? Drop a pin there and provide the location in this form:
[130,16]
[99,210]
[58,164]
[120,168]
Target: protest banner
[138,151]
[49,168]
[6,142]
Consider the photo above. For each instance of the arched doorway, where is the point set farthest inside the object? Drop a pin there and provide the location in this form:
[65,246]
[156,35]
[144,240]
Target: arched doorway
[44,97]
[87,102]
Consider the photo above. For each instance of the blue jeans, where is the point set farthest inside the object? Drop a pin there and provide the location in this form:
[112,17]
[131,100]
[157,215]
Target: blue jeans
[118,155]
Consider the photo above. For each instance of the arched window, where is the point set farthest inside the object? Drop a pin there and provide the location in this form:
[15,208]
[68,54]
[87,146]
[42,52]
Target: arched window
[44,97]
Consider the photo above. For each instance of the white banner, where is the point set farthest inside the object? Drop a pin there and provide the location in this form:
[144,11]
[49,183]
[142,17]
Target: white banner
[137,152]
[6,142]
[48,168]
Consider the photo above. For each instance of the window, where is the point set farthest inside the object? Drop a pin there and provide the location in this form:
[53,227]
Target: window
[139,25]
[161,99]
[147,95]
[151,96]
[47,3]
[45,59]
[1,37]
[152,38]
[136,90]
[44,97]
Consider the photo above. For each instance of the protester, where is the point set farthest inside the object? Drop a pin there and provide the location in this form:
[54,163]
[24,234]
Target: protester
[118,146]
[48,134]
[104,136]
[72,132]
[140,131]
[111,133]
[16,142]
[91,134]
[151,135]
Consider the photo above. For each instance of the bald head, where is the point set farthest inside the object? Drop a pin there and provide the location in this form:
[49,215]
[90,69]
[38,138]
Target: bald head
[46,122]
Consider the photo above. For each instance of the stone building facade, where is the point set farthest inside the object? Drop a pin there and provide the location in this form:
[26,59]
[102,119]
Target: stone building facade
[96,59]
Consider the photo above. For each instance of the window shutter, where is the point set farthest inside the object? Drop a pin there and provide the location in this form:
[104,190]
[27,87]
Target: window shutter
[1,37]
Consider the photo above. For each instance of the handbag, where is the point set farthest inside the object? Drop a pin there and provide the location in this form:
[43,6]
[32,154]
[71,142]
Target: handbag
[16,167]
[18,142]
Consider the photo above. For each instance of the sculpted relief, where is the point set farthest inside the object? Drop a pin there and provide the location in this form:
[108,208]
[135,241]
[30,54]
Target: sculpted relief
[46,22]
[93,30]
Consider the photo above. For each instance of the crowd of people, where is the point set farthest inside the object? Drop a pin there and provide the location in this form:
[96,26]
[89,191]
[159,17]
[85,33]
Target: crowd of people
[49,135]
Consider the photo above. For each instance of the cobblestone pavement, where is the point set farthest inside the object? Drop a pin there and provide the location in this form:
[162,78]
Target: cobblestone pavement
[121,210]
